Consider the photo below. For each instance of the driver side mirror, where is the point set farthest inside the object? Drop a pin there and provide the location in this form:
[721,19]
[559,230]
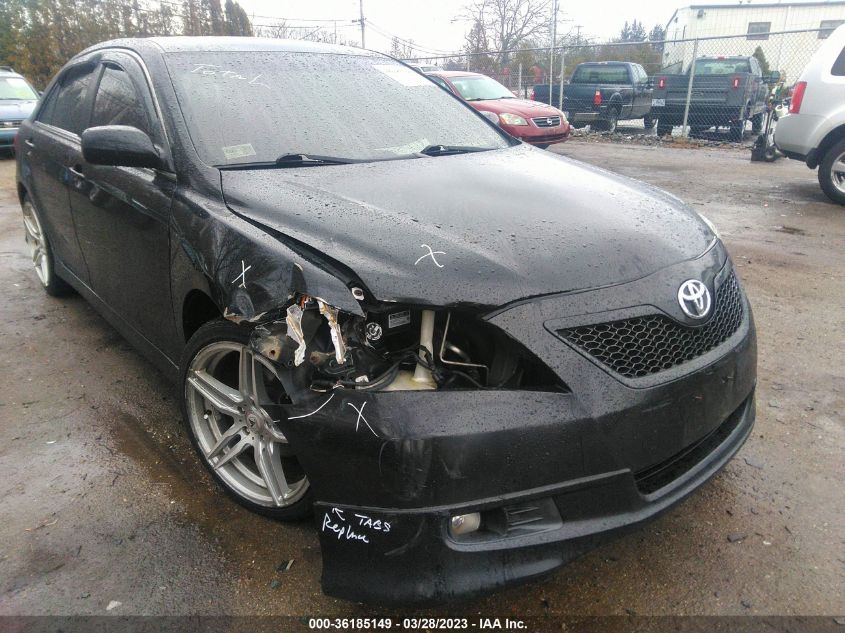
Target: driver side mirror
[120,146]
[772,78]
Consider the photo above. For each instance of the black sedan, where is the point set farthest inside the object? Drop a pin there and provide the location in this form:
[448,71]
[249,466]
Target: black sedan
[471,360]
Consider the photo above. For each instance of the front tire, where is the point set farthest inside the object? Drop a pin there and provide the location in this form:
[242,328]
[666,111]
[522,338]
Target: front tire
[230,397]
[832,173]
[41,252]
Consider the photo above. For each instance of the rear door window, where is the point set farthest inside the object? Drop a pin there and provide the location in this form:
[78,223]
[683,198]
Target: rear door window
[67,106]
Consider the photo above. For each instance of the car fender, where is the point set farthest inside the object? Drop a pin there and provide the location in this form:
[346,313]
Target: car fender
[249,273]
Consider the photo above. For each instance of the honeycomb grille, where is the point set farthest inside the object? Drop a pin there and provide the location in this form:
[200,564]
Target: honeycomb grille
[642,346]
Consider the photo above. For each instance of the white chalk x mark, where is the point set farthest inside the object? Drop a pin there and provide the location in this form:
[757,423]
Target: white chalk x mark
[242,276]
[361,418]
[431,253]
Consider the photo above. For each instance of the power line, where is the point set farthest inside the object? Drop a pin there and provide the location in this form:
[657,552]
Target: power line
[268,17]
[408,43]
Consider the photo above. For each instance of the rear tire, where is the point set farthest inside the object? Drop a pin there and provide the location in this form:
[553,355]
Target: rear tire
[41,252]
[648,122]
[757,123]
[737,131]
[612,120]
[663,130]
[832,173]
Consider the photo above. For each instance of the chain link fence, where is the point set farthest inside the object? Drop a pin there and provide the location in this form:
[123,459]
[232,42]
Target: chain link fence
[725,94]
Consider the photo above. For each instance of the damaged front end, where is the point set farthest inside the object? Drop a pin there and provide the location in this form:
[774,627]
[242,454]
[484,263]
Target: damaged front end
[447,459]
[395,348]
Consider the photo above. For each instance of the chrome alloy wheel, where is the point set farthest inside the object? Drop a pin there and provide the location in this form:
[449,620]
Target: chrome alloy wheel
[837,173]
[37,243]
[230,392]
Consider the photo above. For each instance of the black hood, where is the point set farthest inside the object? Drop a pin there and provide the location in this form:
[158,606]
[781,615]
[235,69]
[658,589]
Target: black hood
[504,225]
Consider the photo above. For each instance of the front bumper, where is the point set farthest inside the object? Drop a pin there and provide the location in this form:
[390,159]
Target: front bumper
[417,560]
[7,137]
[539,136]
[390,469]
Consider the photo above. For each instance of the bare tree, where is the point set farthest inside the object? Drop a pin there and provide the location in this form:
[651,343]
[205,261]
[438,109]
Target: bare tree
[508,23]
[401,49]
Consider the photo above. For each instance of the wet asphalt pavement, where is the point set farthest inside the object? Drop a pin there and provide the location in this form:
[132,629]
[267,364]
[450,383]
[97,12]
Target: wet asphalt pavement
[105,508]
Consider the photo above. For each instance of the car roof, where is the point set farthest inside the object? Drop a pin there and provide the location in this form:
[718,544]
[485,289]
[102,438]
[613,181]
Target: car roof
[208,44]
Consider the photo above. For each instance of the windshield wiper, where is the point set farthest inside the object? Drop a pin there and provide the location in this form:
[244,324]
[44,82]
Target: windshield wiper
[300,160]
[444,150]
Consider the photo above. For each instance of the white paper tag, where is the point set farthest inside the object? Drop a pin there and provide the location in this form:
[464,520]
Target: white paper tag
[238,151]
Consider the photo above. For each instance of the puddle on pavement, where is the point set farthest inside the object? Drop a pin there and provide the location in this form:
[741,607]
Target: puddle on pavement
[790,230]
[156,442]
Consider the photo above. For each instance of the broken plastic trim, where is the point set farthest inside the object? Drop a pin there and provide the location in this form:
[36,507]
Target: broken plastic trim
[294,323]
[330,314]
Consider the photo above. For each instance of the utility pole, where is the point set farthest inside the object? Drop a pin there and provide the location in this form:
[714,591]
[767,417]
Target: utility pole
[552,50]
[362,21]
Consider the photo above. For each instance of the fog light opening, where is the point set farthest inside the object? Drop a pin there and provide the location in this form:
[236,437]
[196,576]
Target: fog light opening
[464,523]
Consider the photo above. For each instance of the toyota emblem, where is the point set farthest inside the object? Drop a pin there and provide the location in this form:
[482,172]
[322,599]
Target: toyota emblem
[694,298]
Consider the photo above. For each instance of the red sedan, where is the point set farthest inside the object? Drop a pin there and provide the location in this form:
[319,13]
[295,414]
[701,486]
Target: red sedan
[529,121]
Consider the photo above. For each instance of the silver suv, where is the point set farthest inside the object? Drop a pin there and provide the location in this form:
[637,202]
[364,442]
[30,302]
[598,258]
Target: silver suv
[814,129]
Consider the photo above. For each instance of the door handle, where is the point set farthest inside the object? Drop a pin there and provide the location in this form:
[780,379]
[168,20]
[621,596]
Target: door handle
[28,143]
[73,170]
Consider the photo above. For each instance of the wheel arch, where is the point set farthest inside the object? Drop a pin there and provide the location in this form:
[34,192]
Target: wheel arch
[830,139]
[198,308]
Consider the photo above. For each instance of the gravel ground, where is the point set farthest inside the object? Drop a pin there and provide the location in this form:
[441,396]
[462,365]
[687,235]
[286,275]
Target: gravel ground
[106,510]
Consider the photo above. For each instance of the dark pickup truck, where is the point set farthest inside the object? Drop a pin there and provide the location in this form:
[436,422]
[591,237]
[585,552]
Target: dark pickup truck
[602,93]
[726,91]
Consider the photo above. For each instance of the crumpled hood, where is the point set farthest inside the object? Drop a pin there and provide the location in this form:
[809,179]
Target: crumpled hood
[484,229]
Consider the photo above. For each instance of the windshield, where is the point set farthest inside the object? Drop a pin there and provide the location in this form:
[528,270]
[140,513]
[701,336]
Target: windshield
[16,88]
[615,74]
[480,88]
[721,66]
[248,107]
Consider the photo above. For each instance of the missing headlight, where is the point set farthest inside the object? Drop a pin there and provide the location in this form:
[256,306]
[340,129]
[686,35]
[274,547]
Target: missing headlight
[401,348]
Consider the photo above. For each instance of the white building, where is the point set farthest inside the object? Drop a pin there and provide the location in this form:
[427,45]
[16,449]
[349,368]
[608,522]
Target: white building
[753,25]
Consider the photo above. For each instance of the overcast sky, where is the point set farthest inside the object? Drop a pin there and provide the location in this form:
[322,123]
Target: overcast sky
[431,23]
